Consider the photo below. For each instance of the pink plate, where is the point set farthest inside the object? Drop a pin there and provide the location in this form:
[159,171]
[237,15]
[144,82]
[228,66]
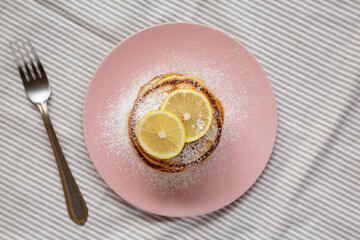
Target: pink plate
[229,70]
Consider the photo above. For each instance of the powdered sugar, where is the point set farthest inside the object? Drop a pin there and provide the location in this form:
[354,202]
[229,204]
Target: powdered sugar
[115,133]
[192,152]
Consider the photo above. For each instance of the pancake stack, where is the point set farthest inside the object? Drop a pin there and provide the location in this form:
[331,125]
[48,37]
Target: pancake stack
[150,97]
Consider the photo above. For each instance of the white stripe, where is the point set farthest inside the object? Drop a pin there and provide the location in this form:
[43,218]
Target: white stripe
[308,206]
[65,211]
[301,213]
[19,230]
[338,179]
[15,204]
[285,37]
[121,30]
[124,14]
[294,66]
[47,166]
[84,188]
[274,40]
[311,26]
[281,20]
[338,201]
[339,29]
[347,9]
[298,128]
[15,231]
[69,50]
[326,7]
[324,115]
[298,87]
[41,143]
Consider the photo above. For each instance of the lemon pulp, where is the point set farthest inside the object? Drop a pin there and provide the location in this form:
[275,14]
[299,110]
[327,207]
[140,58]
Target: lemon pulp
[193,109]
[161,134]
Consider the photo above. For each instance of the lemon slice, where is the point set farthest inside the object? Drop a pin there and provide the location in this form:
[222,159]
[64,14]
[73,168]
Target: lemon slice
[161,134]
[194,110]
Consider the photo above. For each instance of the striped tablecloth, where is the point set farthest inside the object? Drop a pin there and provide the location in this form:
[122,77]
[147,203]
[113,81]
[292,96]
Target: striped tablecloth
[310,51]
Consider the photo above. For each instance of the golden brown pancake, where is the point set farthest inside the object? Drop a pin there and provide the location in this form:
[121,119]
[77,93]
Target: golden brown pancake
[150,97]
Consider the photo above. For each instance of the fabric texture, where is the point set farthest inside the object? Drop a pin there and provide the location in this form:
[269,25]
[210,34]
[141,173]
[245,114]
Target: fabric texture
[310,51]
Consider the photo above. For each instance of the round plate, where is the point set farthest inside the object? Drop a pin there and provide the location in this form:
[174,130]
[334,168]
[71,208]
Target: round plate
[228,69]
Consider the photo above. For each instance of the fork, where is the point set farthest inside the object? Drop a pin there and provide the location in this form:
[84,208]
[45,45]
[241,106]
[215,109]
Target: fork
[38,90]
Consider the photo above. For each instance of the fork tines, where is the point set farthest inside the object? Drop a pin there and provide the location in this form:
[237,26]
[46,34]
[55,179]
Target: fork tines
[25,57]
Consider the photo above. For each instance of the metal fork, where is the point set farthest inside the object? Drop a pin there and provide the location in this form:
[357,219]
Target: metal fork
[38,90]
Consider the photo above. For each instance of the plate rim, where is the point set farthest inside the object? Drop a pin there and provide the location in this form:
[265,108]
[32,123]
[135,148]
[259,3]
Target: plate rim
[180,23]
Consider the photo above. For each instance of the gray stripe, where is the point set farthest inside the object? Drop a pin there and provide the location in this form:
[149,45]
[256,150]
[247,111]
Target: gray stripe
[285,37]
[274,40]
[308,77]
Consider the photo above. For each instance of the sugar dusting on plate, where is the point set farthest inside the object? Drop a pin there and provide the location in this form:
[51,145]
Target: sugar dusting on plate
[115,138]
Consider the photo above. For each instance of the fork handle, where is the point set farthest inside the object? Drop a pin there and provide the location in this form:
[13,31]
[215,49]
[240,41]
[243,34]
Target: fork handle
[74,201]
